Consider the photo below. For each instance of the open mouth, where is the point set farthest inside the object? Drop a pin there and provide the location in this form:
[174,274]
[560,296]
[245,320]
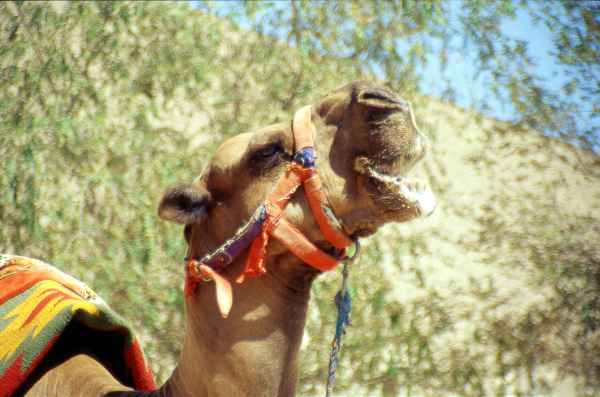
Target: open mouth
[395,192]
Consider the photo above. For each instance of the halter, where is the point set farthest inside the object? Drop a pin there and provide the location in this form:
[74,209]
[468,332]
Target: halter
[267,221]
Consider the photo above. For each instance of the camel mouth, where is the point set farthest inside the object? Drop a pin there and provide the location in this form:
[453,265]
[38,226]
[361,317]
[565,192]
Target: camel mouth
[393,192]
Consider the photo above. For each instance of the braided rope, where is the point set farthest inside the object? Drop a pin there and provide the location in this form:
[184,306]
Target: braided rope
[343,303]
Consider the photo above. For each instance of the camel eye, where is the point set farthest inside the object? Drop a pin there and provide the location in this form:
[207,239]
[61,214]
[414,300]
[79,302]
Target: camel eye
[265,158]
[268,151]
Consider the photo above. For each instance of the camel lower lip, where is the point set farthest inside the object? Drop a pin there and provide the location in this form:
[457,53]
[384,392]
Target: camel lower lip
[363,232]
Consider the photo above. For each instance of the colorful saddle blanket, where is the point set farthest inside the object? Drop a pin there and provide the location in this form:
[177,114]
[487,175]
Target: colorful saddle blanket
[38,305]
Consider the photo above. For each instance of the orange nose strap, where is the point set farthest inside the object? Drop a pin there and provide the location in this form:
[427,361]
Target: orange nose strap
[316,198]
[299,245]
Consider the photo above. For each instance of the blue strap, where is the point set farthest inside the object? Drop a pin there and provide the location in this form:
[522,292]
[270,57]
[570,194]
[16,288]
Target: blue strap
[306,157]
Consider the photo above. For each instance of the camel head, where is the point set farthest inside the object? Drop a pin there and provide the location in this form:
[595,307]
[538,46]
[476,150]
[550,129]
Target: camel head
[366,142]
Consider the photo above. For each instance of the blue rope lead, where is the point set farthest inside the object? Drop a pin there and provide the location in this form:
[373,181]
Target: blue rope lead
[343,303]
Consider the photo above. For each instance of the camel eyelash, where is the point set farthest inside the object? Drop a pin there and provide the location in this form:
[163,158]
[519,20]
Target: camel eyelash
[266,158]
[268,151]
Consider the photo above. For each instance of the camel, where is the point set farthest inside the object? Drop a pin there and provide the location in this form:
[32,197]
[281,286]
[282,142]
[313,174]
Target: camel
[366,141]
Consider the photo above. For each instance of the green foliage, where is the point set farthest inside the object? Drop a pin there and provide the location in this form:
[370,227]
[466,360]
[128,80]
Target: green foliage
[565,328]
[84,160]
[103,105]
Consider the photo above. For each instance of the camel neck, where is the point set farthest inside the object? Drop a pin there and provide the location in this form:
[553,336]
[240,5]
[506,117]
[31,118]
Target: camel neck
[255,350]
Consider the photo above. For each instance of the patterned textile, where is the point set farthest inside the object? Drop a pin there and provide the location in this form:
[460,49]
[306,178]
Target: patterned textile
[37,304]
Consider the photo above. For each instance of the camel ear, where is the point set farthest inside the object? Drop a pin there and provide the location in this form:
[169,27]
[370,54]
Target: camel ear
[380,99]
[185,204]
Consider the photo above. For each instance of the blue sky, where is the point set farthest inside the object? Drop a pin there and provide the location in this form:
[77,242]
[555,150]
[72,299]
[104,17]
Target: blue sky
[471,88]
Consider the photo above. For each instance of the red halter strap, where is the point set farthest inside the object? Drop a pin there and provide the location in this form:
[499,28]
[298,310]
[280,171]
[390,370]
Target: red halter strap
[304,132]
[302,171]
[297,174]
